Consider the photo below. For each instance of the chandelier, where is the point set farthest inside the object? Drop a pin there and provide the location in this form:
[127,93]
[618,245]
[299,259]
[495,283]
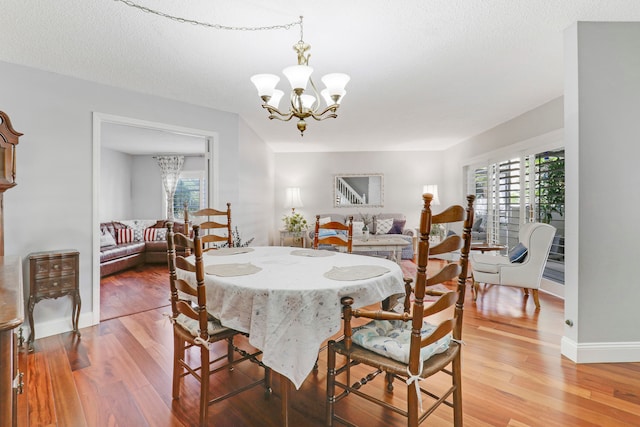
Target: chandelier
[303,103]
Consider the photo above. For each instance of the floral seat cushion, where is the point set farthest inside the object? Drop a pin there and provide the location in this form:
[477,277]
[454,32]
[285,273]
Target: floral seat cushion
[193,326]
[392,338]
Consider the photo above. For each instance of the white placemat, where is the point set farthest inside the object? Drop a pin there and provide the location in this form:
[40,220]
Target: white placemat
[228,251]
[312,253]
[356,272]
[230,270]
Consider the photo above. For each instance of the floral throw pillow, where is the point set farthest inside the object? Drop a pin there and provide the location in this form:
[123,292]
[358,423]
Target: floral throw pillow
[161,234]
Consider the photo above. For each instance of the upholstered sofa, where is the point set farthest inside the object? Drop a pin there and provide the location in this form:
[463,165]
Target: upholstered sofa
[120,250]
[395,226]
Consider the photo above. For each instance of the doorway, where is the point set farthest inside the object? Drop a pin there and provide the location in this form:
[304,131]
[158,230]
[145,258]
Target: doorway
[132,189]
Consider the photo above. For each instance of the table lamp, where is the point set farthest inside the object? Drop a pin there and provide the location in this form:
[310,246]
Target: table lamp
[292,198]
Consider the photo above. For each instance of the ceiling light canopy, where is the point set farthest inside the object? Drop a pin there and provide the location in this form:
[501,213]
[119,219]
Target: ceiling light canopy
[304,102]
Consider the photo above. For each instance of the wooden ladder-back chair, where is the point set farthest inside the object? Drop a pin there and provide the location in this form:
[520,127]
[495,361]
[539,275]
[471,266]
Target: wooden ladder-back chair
[194,327]
[420,349]
[213,225]
[334,233]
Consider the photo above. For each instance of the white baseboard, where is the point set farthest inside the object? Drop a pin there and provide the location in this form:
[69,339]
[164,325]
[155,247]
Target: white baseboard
[59,326]
[552,288]
[604,352]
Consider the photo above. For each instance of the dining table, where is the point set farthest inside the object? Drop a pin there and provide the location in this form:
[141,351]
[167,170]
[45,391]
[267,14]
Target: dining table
[288,299]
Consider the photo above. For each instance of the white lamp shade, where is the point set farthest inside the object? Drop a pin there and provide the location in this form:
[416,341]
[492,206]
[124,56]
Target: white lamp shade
[307,101]
[335,82]
[298,75]
[432,189]
[265,83]
[292,198]
[327,97]
[274,101]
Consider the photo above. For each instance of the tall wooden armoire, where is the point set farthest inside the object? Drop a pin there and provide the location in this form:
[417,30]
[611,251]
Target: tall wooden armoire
[13,405]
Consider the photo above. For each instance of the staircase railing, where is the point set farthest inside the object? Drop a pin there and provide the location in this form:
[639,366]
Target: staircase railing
[345,194]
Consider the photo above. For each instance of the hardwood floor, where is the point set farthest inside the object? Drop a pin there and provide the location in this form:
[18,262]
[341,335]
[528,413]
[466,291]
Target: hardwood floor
[119,374]
[132,291]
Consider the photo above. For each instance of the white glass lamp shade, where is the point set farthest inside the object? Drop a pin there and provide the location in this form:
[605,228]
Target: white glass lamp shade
[432,189]
[307,101]
[292,198]
[329,100]
[298,75]
[335,82]
[274,101]
[265,83]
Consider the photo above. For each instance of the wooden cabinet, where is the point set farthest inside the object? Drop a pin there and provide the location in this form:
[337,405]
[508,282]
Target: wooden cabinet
[54,274]
[11,317]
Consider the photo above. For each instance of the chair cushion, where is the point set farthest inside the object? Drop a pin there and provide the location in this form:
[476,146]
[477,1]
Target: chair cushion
[392,338]
[488,263]
[327,233]
[193,326]
[518,253]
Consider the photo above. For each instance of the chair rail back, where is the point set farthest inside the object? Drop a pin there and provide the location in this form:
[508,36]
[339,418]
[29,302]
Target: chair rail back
[334,240]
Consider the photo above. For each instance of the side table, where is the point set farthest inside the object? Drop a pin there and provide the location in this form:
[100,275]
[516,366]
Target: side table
[299,239]
[54,274]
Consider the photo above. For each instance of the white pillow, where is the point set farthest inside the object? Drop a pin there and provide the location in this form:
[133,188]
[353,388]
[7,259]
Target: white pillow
[357,228]
[106,239]
[325,220]
[383,225]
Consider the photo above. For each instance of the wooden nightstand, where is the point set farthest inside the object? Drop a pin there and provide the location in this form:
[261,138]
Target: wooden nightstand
[54,274]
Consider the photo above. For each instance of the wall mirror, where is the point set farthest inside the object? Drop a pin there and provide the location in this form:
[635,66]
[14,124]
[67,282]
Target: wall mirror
[363,190]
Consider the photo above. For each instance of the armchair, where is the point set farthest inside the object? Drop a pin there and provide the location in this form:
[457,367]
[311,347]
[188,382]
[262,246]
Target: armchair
[527,274]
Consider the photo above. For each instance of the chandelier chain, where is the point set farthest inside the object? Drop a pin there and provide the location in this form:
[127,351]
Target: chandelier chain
[209,25]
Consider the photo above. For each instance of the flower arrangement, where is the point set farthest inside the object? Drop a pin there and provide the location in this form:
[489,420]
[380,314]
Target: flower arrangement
[295,223]
[366,218]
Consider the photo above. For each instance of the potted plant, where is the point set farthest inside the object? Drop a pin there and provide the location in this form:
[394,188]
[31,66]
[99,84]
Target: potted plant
[295,224]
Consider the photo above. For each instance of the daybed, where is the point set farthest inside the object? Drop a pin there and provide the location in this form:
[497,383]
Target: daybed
[127,244]
[384,224]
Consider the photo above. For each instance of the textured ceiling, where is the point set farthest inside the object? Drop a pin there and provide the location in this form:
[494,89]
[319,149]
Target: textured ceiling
[425,74]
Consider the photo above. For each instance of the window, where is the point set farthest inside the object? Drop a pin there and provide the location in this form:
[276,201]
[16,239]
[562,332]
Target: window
[192,190]
[518,190]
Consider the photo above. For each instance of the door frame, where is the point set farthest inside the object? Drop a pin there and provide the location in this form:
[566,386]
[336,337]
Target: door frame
[211,155]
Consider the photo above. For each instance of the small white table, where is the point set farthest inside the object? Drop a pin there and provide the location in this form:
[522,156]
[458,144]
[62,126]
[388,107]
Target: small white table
[388,243]
[299,239]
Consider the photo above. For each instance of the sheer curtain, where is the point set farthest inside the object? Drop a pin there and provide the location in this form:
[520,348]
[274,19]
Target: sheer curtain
[170,167]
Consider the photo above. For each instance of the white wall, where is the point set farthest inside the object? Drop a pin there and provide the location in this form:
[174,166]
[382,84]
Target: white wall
[256,183]
[602,109]
[405,173]
[148,198]
[115,185]
[539,128]
[52,205]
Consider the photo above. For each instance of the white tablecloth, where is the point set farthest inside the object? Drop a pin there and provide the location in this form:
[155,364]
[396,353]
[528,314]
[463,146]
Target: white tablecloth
[289,308]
